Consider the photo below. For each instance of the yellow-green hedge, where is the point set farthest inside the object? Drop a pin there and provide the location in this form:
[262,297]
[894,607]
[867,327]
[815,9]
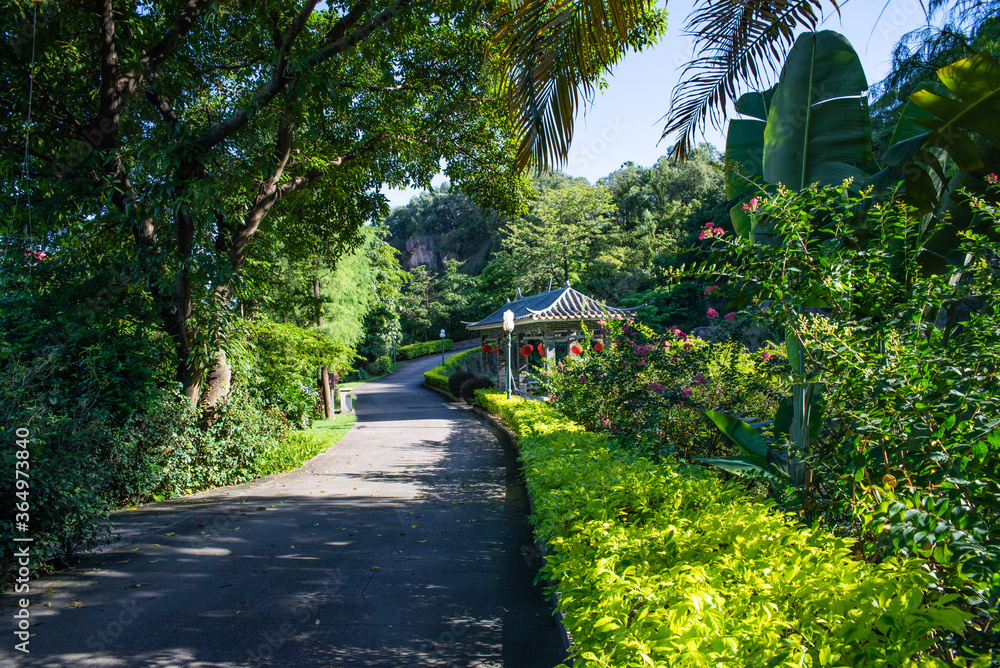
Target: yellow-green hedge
[438,376]
[415,350]
[666,566]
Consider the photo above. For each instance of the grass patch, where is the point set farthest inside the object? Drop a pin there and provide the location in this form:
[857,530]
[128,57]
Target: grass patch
[301,446]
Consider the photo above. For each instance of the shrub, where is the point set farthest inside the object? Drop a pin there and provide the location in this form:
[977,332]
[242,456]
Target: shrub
[469,387]
[281,360]
[667,565]
[438,376]
[379,367]
[650,392]
[416,350]
[457,378]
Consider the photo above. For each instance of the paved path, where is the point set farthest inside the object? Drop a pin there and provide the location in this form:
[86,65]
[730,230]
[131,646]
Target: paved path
[406,544]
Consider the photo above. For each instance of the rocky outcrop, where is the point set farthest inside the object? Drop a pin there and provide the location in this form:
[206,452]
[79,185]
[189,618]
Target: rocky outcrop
[421,251]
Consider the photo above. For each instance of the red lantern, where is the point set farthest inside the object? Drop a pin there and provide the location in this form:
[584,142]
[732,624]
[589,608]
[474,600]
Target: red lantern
[494,348]
[577,350]
[541,349]
[525,351]
[598,346]
[486,348]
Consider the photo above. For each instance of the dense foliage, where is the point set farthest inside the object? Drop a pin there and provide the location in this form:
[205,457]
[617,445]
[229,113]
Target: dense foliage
[615,240]
[416,350]
[649,392]
[668,566]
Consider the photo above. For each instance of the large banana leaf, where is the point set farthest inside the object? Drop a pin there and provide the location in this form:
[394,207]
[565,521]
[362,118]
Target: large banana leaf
[745,144]
[818,125]
[745,437]
[957,119]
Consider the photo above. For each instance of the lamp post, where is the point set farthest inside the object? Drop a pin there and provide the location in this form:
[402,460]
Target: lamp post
[508,326]
[442,347]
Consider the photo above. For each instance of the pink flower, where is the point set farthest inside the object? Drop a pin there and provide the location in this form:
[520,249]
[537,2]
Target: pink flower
[992,179]
[606,421]
[552,398]
[701,235]
[712,313]
[709,224]
[678,332]
[655,387]
[686,392]
[753,205]
[710,289]
[767,356]
[730,317]
[687,346]
[699,379]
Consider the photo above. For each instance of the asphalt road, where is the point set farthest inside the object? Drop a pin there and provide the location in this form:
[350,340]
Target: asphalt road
[406,544]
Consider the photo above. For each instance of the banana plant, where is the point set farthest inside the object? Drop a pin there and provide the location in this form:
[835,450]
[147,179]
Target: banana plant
[814,126]
[948,123]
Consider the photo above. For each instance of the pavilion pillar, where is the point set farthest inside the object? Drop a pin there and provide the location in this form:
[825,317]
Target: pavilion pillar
[484,357]
[550,347]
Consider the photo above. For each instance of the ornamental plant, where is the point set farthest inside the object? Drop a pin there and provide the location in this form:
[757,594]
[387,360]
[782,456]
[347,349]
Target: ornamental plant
[649,391]
[905,366]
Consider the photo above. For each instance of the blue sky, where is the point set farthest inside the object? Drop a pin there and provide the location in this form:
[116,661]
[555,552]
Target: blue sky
[626,119]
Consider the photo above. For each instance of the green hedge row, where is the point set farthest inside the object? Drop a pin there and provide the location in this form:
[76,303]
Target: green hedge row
[438,376]
[668,566]
[415,350]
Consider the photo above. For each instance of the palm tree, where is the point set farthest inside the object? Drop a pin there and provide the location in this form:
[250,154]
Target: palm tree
[551,53]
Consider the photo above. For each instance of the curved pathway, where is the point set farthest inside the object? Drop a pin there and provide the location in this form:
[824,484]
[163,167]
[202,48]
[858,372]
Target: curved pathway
[405,544]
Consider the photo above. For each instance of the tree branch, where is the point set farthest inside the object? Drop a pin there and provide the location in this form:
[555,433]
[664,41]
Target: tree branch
[156,55]
[280,80]
[270,195]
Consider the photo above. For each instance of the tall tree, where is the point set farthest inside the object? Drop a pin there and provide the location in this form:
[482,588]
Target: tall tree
[171,132]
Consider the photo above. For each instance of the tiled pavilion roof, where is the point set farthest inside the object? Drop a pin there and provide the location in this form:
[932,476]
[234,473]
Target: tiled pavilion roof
[561,304]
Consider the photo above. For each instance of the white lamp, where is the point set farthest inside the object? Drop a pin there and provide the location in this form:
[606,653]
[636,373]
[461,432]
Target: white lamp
[508,326]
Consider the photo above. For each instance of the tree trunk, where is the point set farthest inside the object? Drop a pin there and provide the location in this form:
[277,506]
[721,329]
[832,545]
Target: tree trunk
[217,386]
[324,381]
[324,374]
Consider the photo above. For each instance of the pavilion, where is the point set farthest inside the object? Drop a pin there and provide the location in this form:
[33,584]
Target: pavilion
[554,319]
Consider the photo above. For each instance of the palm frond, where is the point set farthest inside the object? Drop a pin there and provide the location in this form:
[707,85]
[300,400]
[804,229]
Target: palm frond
[548,55]
[737,42]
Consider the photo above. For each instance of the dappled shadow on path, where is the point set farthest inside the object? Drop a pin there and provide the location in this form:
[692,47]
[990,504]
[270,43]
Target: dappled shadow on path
[407,544]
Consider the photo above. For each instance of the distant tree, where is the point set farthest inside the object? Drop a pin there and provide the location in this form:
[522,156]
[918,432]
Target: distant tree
[559,235]
[415,303]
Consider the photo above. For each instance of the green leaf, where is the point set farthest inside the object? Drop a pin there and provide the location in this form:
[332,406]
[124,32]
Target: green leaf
[736,464]
[818,126]
[743,435]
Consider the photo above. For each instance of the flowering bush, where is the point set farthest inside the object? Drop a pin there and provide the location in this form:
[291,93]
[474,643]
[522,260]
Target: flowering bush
[901,454]
[650,391]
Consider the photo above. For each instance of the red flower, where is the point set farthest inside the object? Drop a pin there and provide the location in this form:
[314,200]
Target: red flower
[486,347]
[576,349]
[598,346]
